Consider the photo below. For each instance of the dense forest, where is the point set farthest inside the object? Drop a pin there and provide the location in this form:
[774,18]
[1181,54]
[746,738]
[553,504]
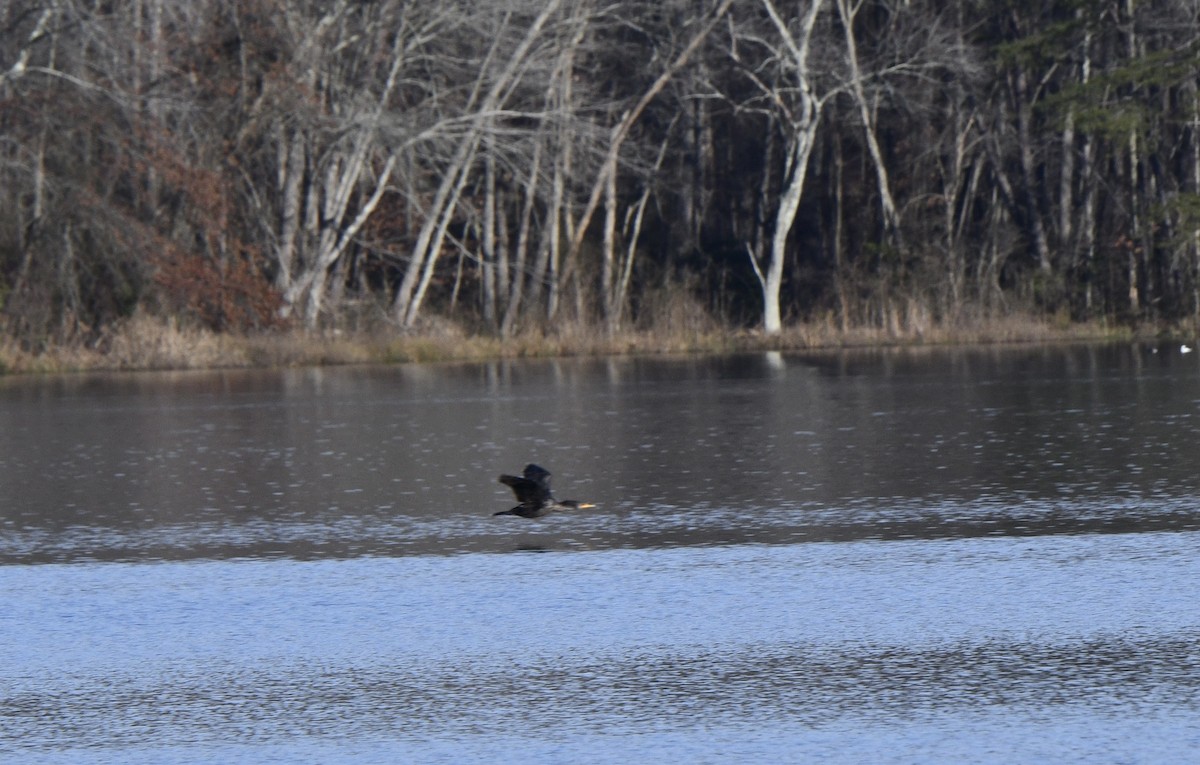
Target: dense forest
[510,165]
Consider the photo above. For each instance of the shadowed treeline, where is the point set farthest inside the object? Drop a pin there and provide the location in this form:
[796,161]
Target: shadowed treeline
[534,168]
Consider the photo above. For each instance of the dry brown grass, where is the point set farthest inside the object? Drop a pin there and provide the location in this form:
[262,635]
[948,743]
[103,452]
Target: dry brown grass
[1015,328]
[145,342]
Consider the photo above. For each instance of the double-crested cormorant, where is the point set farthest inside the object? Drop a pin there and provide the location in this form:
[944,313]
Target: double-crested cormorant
[533,492]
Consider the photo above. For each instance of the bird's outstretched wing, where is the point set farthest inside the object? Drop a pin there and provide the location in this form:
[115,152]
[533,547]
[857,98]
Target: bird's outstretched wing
[538,474]
[533,488]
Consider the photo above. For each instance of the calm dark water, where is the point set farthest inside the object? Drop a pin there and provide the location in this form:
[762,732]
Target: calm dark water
[907,556]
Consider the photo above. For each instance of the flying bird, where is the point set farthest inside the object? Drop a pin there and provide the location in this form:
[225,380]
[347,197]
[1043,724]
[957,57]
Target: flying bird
[533,492]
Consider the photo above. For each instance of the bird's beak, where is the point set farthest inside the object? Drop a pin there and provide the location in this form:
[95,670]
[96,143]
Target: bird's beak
[585,505]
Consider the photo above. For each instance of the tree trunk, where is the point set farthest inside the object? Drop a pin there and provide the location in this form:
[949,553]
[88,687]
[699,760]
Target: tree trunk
[406,305]
[839,214]
[1029,183]
[488,262]
[1087,223]
[848,10]
[803,133]
[345,173]
[521,253]
[799,150]
[1066,181]
[632,230]
[1134,245]
[608,251]
[1195,189]
[291,153]
[620,131]
[1135,191]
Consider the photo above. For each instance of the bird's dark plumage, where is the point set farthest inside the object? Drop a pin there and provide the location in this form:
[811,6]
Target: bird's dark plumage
[533,492]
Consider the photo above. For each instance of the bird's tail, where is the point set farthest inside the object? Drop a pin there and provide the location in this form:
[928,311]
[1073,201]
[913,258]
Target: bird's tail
[503,512]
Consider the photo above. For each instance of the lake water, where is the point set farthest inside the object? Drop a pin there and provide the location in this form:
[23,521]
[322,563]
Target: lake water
[915,556]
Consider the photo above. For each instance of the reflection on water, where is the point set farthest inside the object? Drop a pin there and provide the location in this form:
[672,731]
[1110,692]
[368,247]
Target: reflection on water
[395,461]
[906,556]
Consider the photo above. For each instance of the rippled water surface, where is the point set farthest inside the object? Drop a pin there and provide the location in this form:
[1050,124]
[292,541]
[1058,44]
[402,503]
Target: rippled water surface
[910,557]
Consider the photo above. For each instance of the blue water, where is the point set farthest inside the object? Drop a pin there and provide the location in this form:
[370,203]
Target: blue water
[958,556]
[1068,649]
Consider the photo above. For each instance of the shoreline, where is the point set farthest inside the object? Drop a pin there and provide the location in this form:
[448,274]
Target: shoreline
[146,344]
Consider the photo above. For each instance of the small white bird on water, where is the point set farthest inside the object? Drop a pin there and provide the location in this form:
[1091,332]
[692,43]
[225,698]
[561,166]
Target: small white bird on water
[1185,348]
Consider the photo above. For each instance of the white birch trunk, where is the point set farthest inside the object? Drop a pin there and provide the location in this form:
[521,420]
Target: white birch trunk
[789,203]
[800,145]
